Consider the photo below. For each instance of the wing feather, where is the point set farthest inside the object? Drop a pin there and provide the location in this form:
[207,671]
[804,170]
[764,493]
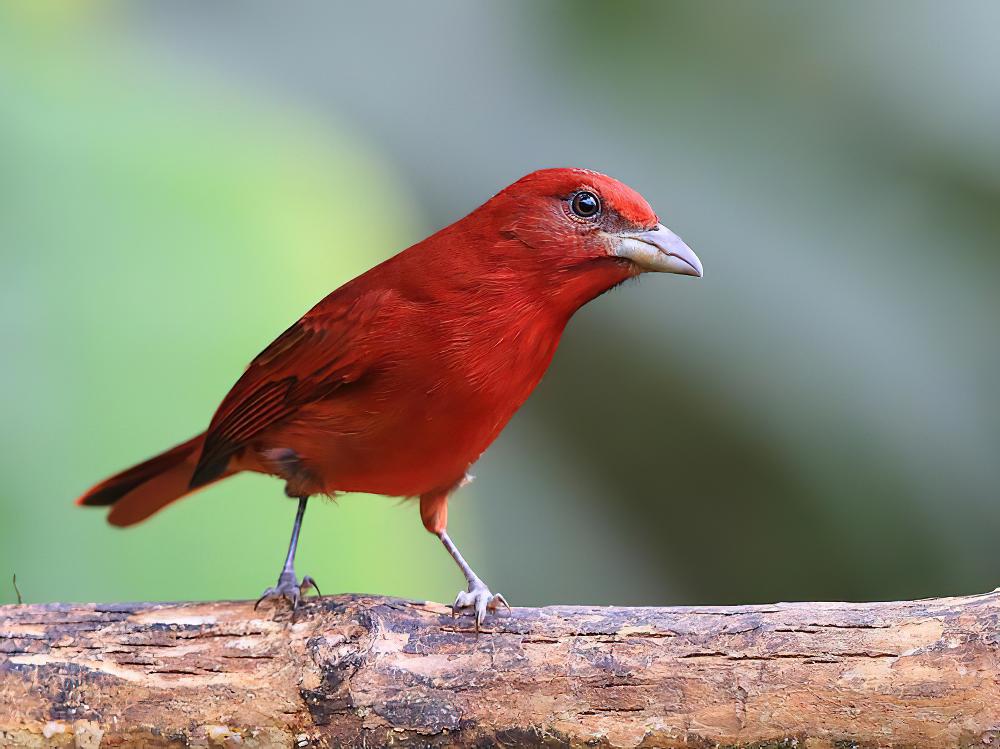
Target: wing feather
[314,359]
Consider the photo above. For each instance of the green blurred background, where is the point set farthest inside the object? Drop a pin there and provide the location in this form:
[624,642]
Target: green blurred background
[818,418]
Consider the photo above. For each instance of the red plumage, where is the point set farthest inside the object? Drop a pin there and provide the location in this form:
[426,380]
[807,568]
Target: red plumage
[397,381]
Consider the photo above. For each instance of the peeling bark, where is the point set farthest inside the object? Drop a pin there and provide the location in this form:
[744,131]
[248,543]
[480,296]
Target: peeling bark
[369,671]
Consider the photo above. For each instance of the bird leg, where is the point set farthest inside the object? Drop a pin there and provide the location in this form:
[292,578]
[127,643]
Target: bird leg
[288,586]
[478,597]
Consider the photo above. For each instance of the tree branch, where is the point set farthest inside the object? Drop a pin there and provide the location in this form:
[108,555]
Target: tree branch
[360,670]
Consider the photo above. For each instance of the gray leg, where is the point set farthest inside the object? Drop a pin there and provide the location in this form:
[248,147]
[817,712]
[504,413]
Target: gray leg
[288,586]
[478,597]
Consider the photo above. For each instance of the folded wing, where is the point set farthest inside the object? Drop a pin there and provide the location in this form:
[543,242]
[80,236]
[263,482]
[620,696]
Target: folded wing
[315,359]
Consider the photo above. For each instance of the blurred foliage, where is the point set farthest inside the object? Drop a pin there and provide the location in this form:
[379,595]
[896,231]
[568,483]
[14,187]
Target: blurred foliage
[160,231]
[816,418]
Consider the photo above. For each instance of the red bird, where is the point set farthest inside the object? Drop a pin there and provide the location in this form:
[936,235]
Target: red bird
[398,381]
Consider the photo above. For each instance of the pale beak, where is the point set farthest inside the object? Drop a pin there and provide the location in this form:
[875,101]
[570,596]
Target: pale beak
[659,250]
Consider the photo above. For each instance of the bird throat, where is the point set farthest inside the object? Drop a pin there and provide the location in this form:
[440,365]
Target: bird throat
[505,347]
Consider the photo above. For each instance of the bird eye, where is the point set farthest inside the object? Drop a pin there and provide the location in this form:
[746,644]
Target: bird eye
[585,204]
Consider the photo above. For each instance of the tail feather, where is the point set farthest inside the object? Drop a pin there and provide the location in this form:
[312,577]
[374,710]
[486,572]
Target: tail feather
[139,491]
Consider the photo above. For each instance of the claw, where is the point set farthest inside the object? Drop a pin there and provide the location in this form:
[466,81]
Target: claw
[290,589]
[481,600]
[308,582]
[269,593]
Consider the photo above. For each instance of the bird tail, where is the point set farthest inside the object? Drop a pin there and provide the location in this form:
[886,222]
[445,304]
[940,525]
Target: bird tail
[138,492]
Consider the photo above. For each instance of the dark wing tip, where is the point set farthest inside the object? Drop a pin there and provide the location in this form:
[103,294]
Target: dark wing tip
[209,469]
[108,495]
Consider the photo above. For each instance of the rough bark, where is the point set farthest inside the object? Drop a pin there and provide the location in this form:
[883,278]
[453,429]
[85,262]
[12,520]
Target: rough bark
[368,671]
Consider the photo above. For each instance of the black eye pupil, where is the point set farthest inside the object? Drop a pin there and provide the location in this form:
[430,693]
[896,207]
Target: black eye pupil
[585,204]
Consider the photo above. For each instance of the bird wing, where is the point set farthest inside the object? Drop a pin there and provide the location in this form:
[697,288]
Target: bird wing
[319,355]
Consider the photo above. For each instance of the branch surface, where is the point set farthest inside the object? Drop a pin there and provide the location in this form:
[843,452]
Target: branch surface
[371,671]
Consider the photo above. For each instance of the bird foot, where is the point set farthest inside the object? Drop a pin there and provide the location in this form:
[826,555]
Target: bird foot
[289,588]
[480,599]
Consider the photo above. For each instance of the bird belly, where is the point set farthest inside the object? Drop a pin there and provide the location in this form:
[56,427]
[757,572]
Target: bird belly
[405,451]
[414,430]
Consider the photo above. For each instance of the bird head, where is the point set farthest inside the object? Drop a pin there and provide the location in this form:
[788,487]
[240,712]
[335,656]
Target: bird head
[573,216]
